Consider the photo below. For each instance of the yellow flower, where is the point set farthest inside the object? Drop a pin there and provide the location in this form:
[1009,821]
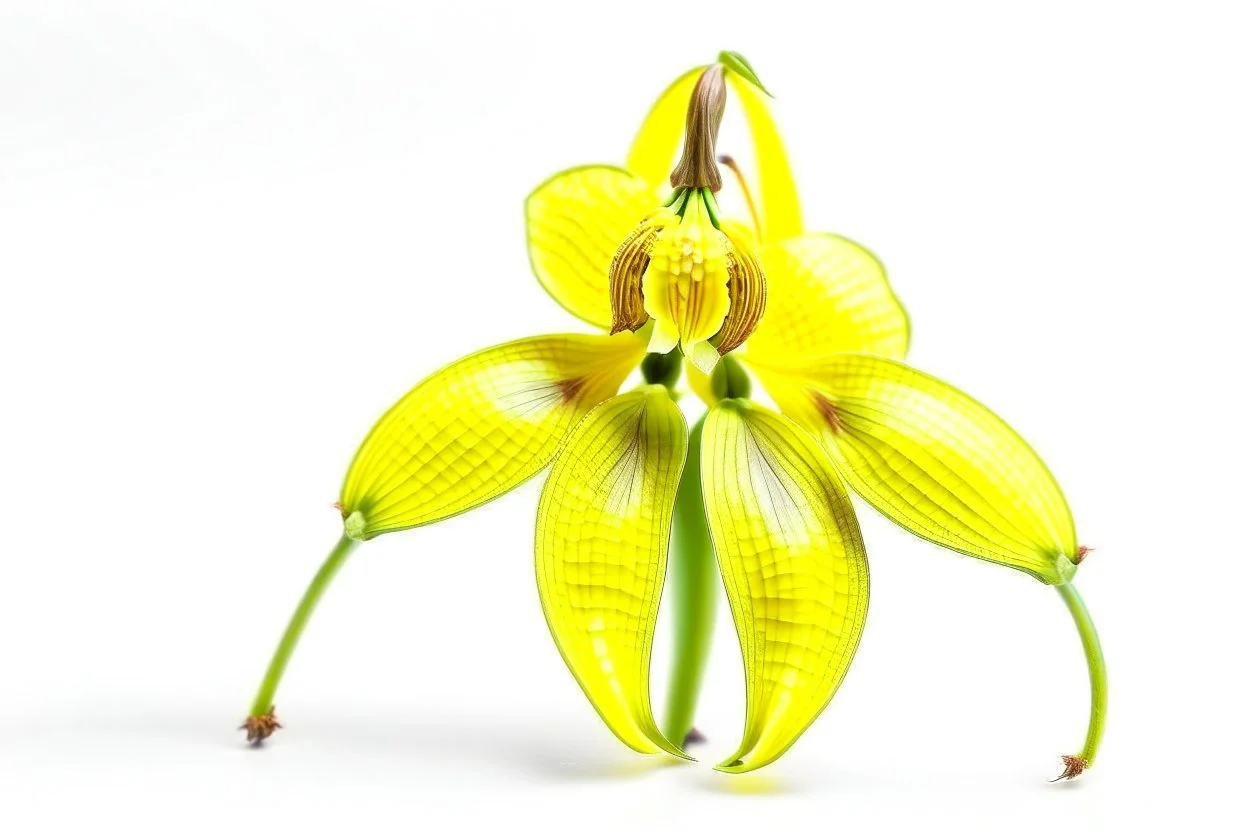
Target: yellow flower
[816,322]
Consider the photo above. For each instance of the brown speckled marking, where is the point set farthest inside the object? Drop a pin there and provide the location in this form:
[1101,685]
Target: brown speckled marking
[570,388]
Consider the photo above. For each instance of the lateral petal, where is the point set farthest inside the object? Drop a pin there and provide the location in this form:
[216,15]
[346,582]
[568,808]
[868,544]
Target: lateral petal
[826,294]
[479,427]
[602,536]
[576,222]
[794,566]
[933,460]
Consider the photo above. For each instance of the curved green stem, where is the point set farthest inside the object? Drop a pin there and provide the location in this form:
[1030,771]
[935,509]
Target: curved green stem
[263,702]
[693,587]
[1096,673]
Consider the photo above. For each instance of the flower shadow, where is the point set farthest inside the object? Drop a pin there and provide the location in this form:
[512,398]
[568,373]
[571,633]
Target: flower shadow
[525,748]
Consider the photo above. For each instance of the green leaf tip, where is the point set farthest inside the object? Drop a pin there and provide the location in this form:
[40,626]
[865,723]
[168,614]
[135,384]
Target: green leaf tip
[736,62]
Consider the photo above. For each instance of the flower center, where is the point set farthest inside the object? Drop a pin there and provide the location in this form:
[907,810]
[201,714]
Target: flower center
[685,285]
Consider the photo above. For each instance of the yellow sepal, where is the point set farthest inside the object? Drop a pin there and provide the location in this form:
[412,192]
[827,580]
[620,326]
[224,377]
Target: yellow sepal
[602,536]
[479,427]
[794,567]
[932,459]
[576,221]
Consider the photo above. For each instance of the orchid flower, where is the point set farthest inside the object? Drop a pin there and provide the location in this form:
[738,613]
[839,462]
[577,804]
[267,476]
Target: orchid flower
[757,495]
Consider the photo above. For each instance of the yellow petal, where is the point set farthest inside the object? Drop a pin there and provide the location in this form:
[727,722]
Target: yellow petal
[825,295]
[576,221]
[653,154]
[934,460]
[794,567]
[602,534]
[479,427]
[780,212]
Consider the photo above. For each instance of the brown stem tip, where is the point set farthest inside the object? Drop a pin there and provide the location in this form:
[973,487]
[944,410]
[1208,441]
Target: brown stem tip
[260,728]
[1074,767]
[1081,553]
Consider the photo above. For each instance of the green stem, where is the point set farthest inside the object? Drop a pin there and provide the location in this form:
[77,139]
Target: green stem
[1096,669]
[693,585]
[277,665]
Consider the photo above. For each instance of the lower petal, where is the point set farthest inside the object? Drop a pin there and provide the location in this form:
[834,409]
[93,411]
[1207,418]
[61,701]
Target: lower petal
[794,567]
[602,536]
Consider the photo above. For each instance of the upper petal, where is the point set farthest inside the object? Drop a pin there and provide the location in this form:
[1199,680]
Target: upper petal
[480,426]
[826,294]
[779,209]
[653,153]
[576,221]
[934,460]
[602,536]
[794,567]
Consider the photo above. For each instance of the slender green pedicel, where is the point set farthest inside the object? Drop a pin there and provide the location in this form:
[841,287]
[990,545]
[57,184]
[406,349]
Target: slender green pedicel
[1076,763]
[262,721]
[693,582]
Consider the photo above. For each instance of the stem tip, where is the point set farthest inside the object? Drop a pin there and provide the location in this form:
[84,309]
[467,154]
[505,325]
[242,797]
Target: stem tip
[1075,766]
[260,727]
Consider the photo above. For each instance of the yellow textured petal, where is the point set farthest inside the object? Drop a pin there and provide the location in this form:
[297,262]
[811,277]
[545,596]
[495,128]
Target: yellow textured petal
[794,567]
[602,534]
[826,295]
[653,154]
[576,222]
[779,209]
[480,426]
[934,460]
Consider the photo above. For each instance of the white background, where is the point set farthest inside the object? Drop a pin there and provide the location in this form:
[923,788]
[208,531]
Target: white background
[232,233]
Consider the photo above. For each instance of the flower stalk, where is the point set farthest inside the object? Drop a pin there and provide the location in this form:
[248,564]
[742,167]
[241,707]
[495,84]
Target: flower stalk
[1076,763]
[262,721]
[694,586]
